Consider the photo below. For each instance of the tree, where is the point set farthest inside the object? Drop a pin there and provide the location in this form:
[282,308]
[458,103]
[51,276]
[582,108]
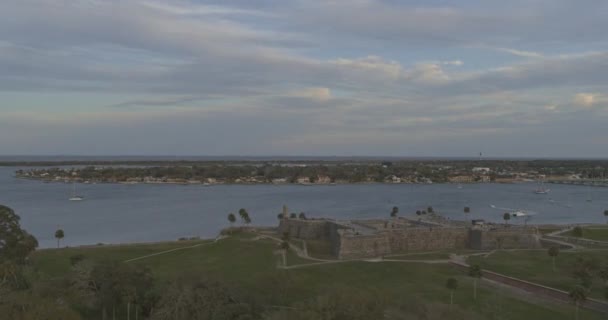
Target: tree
[578,295]
[15,243]
[231,218]
[302,216]
[475,273]
[577,232]
[59,234]
[553,252]
[280,216]
[244,216]
[506,216]
[293,215]
[418,212]
[117,284]
[430,209]
[452,285]
[606,215]
[584,270]
[603,274]
[394,212]
[242,213]
[466,210]
[193,299]
[423,212]
[15,246]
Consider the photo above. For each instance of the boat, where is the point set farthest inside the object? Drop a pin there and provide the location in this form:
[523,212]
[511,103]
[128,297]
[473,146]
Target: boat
[75,196]
[459,186]
[541,189]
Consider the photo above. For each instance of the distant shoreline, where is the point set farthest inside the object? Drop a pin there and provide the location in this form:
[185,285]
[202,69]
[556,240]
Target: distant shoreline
[198,183]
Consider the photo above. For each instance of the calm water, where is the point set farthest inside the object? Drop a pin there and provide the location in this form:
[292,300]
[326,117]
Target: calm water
[141,213]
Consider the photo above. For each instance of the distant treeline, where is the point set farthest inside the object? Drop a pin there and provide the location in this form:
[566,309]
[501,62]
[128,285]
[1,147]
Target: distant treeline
[311,171]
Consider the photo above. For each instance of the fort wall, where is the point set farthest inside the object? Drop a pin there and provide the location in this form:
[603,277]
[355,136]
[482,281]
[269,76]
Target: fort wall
[306,229]
[376,238]
[427,238]
[350,246]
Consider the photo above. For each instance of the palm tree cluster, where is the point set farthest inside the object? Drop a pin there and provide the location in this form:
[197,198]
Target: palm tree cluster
[244,216]
[420,212]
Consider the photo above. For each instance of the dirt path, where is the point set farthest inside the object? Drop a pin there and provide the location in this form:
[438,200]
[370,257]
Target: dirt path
[174,250]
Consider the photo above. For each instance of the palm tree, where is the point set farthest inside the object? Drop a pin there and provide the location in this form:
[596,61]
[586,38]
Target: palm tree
[430,209]
[302,216]
[506,216]
[231,218]
[59,234]
[244,215]
[578,295]
[452,285]
[280,216]
[293,215]
[394,212]
[466,210]
[475,273]
[418,212]
[606,215]
[553,252]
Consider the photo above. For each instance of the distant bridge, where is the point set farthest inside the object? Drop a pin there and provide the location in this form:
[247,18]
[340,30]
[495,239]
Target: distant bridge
[582,182]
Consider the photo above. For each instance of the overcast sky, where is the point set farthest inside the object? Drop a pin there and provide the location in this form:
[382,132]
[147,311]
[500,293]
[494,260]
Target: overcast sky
[304,77]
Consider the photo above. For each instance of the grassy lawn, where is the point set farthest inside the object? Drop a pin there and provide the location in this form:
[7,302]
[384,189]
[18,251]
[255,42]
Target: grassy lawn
[598,234]
[546,230]
[251,265]
[535,266]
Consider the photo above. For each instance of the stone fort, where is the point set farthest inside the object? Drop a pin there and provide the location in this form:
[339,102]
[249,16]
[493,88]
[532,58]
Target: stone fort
[357,239]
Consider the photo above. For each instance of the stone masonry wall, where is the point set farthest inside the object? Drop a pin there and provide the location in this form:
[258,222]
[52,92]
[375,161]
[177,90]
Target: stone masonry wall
[417,239]
[306,229]
[362,246]
[508,239]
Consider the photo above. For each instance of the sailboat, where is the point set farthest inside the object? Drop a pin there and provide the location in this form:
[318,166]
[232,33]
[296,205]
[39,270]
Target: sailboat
[541,188]
[75,196]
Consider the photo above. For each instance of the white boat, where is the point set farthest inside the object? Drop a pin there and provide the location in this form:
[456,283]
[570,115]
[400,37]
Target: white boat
[459,186]
[541,189]
[75,196]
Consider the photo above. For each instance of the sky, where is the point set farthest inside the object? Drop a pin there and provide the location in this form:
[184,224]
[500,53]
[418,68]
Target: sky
[519,78]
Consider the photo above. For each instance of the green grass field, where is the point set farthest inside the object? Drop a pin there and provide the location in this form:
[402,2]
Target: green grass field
[536,266]
[252,267]
[595,233]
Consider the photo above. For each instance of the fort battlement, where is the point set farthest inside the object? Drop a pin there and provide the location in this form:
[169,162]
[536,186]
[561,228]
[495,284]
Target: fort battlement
[374,238]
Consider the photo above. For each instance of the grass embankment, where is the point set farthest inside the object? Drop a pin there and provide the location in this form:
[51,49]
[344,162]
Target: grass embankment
[591,233]
[536,266]
[251,265]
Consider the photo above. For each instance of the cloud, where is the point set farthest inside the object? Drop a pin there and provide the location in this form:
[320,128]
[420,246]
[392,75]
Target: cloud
[453,63]
[521,53]
[341,76]
[320,94]
[590,100]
